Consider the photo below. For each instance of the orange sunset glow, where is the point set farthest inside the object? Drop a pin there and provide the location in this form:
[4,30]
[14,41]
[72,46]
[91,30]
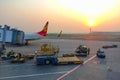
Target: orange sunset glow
[70,16]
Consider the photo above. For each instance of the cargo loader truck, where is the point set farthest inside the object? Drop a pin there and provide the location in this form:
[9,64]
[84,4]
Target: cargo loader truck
[48,54]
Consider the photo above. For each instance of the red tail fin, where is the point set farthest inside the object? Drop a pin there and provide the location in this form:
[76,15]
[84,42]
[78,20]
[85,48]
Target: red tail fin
[44,30]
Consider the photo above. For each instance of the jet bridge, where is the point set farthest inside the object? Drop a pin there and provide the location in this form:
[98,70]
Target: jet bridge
[12,36]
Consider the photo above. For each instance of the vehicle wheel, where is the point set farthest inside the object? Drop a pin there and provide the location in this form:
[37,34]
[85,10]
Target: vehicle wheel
[47,62]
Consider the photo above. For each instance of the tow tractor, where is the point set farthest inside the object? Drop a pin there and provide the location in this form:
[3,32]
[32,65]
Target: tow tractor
[48,54]
[13,57]
[100,54]
[81,50]
[19,58]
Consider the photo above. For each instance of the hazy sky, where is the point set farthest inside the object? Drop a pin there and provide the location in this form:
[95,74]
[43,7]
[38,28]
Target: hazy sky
[70,16]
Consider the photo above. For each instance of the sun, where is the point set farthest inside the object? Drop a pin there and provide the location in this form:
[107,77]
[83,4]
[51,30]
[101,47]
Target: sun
[91,23]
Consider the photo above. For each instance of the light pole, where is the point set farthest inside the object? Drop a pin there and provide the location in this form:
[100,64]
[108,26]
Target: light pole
[91,23]
[90,30]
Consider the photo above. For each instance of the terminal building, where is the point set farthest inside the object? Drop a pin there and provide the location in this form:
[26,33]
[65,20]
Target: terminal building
[12,36]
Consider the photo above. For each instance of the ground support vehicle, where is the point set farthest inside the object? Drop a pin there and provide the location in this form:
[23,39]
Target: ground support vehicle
[82,50]
[4,57]
[48,49]
[48,55]
[109,46]
[17,60]
[69,60]
[69,55]
[57,60]
[74,54]
[46,60]
[8,56]
[100,54]
[13,57]
[21,59]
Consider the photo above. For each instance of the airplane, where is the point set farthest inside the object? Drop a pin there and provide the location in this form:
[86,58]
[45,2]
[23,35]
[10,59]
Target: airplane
[37,35]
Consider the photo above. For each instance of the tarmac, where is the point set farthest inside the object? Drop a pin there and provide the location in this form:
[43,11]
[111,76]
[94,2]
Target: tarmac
[93,68]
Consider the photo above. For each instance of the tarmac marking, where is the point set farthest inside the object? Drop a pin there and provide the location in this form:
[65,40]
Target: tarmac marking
[32,75]
[74,69]
[14,65]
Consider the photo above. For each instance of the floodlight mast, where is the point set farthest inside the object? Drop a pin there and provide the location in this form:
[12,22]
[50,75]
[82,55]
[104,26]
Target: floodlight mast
[90,29]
